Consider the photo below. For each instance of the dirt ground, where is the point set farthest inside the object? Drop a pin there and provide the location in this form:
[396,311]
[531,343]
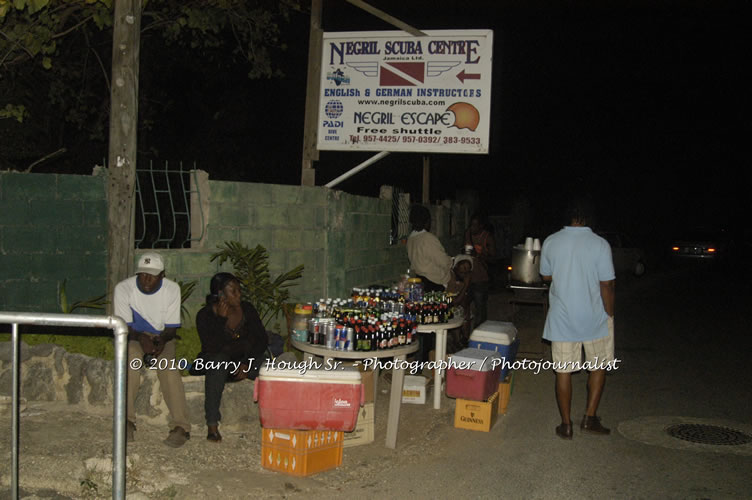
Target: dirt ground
[66,453]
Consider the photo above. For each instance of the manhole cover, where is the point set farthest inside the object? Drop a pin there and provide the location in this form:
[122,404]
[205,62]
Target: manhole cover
[708,434]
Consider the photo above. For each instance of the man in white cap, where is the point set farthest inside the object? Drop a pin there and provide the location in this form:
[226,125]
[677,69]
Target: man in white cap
[150,305]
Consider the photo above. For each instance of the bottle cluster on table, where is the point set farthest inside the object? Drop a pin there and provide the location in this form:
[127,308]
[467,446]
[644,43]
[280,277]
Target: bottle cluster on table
[374,319]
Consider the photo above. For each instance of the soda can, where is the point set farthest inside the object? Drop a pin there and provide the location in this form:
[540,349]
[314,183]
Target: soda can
[350,344]
[322,334]
[338,338]
[342,343]
[313,330]
[329,336]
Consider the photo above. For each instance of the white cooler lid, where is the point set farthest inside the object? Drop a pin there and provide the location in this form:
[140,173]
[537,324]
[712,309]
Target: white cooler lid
[495,332]
[308,372]
[480,360]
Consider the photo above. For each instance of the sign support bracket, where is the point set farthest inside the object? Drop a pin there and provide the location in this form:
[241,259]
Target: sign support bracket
[386,17]
[357,169]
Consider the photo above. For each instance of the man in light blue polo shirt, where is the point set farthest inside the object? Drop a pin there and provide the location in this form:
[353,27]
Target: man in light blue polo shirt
[578,263]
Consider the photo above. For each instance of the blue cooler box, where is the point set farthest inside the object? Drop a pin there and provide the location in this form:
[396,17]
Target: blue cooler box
[499,336]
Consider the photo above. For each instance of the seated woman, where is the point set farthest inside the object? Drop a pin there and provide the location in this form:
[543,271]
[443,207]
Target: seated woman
[459,286]
[230,330]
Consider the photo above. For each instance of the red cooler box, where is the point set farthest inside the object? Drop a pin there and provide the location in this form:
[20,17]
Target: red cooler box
[473,374]
[313,400]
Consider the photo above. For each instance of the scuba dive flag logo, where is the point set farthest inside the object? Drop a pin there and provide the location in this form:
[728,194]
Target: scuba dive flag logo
[402,74]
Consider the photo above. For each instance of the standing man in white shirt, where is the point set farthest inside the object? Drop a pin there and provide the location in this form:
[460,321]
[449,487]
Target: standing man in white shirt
[150,305]
[581,315]
[427,256]
[429,261]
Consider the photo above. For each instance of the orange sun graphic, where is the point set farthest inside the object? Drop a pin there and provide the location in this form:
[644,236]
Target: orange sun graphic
[465,115]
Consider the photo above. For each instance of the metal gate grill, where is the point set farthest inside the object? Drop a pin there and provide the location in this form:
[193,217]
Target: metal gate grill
[400,215]
[163,207]
[708,434]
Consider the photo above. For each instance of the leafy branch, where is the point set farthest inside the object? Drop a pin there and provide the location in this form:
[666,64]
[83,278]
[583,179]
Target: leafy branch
[186,289]
[93,303]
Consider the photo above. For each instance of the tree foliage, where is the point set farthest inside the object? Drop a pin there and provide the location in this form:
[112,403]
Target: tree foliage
[55,63]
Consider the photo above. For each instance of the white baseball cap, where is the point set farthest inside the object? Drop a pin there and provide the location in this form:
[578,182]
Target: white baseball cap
[150,263]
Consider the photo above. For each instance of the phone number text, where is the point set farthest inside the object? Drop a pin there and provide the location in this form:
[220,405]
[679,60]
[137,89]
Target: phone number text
[410,139]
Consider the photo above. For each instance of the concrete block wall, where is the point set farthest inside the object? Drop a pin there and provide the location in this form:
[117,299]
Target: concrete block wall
[289,221]
[341,239]
[53,227]
[359,252]
[449,222]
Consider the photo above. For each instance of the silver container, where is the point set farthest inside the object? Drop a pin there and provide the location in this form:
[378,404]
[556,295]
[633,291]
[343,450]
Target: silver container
[350,343]
[525,265]
[329,339]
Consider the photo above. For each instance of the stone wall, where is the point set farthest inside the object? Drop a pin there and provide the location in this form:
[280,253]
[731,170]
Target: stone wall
[49,373]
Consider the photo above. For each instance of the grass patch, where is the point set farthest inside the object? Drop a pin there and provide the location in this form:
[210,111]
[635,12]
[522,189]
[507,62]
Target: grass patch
[98,343]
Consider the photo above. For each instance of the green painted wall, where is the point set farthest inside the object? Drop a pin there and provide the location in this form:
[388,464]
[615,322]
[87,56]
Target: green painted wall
[52,228]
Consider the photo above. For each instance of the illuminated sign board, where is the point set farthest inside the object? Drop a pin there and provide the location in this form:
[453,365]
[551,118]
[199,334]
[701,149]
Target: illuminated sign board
[392,91]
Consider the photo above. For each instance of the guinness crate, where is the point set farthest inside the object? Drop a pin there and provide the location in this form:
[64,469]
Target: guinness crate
[476,415]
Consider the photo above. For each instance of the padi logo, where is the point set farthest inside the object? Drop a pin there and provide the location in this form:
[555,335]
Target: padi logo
[341,403]
[338,77]
[334,109]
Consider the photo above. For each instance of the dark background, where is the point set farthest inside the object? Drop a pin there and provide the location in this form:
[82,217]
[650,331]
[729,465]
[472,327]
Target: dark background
[641,105]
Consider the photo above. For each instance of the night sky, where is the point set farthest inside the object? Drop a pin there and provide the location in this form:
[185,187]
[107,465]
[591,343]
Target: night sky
[638,104]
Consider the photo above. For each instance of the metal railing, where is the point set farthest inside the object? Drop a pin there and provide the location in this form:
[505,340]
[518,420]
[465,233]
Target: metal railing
[120,330]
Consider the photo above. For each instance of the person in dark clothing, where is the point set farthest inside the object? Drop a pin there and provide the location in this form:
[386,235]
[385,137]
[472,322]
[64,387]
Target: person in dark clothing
[481,239]
[233,343]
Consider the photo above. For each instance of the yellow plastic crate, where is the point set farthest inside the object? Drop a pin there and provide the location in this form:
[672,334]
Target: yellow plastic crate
[300,453]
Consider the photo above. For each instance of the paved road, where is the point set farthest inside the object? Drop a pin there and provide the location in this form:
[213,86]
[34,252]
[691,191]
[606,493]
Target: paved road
[684,341]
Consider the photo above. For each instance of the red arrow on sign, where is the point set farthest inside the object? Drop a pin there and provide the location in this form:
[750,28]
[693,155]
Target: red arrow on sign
[462,76]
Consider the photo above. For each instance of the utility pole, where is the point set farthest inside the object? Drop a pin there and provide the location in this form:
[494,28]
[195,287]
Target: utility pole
[121,179]
[313,86]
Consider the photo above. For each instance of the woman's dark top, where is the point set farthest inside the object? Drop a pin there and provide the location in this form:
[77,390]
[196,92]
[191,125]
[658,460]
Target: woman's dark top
[249,340]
